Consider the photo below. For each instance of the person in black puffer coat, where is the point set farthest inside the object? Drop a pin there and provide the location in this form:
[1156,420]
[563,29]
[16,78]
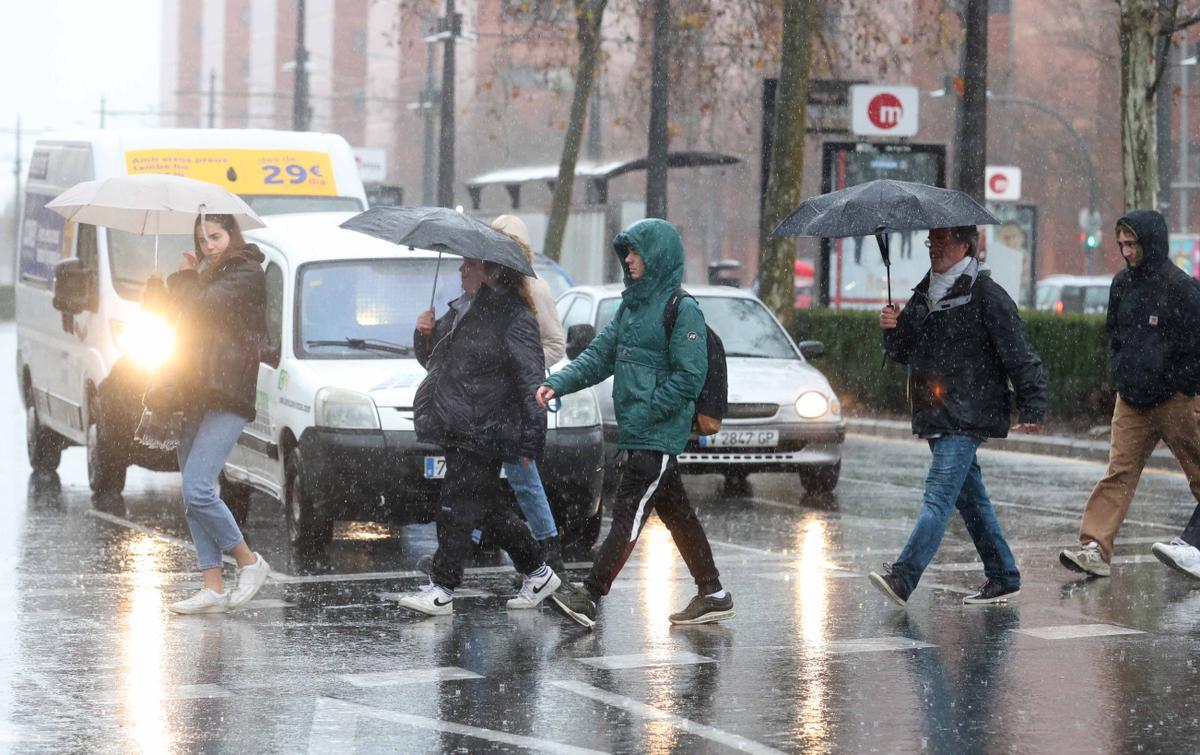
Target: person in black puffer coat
[484,361]
[964,343]
[1154,342]
[218,298]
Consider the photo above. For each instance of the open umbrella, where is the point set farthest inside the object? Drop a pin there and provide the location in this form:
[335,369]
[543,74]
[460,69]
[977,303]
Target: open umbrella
[151,205]
[444,230]
[882,207]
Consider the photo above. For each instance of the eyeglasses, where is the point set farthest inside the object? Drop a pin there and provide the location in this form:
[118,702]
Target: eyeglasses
[931,241]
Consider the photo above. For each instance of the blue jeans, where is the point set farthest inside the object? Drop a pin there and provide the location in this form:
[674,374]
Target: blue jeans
[207,439]
[954,481]
[526,484]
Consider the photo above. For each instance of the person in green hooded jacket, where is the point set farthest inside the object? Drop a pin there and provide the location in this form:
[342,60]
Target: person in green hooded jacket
[656,380]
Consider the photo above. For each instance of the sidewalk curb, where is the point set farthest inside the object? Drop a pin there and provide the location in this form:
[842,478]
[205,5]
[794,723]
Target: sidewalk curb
[1046,445]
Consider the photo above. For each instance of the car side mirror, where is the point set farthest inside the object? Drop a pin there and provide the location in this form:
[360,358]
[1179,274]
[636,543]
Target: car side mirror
[811,349]
[578,338]
[72,289]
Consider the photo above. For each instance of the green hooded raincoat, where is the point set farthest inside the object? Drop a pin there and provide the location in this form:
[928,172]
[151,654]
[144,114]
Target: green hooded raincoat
[655,383]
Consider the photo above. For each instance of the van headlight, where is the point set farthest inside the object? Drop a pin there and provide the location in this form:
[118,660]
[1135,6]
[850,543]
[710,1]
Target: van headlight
[144,337]
[812,405]
[345,410]
[579,410]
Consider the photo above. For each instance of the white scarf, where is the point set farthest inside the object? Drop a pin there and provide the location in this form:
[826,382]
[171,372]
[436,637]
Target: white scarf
[941,283]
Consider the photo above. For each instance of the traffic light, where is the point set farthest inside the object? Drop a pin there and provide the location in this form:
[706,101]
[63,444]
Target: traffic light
[1093,239]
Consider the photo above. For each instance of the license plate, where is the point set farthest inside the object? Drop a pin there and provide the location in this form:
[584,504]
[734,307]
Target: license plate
[741,438]
[435,468]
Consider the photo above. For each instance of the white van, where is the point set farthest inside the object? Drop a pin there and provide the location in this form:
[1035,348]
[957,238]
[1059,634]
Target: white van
[84,346]
[333,438]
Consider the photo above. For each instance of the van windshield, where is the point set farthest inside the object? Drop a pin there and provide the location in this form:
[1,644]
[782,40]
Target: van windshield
[273,204]
[367,309]
[131,259]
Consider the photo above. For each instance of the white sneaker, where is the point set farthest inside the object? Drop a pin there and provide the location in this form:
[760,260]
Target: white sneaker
[1179,556]
[433,600]
[249,580]
[535,589]
[205,601]
[1086,559]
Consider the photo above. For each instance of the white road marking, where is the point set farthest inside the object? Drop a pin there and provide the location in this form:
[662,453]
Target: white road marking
[634,707]
[264,603]
[461,592]
[196,692]
[644,660]
[1077,631]
[964,567]
[335,721]
[873,645]
[409,676]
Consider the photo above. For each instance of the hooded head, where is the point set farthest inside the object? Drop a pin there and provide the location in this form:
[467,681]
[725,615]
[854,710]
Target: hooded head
[658,243]
[1150,228]
[515,228]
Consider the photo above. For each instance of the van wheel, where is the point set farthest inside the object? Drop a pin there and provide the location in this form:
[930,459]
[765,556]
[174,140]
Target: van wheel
[822,478]
[237,497]
[306,532]
[44,446]
[105,467]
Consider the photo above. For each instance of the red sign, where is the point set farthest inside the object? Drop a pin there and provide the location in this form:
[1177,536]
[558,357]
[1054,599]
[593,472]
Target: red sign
[998,183]
[885,111]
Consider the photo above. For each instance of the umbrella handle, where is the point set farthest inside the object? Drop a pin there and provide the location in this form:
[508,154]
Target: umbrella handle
[882,240]
[436,272]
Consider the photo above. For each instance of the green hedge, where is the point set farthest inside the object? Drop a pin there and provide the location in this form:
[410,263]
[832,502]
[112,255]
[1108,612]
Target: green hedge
[1073,347]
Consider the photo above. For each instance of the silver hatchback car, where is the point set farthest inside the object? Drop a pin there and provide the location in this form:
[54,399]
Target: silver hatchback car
[783,414]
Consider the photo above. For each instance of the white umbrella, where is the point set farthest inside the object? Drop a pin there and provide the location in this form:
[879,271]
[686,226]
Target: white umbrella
[151,204]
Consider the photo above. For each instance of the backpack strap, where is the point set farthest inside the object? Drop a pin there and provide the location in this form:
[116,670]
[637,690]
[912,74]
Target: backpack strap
[671,311]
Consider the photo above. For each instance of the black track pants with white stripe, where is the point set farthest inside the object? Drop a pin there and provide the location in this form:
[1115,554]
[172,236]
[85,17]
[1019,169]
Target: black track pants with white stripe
[650,482]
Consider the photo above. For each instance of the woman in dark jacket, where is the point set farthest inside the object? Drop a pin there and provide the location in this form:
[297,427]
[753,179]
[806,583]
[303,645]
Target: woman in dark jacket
[219,296]
[484,361]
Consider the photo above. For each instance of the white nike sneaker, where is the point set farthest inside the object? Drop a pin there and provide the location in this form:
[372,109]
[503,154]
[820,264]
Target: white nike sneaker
[205,601]
[1178,555]
[249,580]
[536,589]
[433,600]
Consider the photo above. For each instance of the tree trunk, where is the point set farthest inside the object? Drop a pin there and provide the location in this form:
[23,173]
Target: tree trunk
[777,259]
[659,140]
[970,143]
[588,16]
[1139,127]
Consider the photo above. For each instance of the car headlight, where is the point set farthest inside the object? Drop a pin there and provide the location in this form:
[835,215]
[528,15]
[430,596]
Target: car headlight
[144,337]
[812,405]
[579,410]
[346,410]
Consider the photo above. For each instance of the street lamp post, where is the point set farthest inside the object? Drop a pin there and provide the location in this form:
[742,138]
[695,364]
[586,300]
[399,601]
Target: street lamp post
[1181,182]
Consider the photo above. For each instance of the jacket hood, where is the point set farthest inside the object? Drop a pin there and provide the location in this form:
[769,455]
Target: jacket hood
[660,246]
[1151,230]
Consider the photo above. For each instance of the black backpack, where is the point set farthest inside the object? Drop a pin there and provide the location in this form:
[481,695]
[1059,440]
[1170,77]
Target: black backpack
[713,402]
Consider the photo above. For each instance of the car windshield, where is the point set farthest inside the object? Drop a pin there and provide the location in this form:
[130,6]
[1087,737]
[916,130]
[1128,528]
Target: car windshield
[131,259]
[744,325]
[367,309]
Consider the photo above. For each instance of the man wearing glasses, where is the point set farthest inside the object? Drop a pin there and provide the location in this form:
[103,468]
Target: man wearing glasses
[1154,344]
[964,343]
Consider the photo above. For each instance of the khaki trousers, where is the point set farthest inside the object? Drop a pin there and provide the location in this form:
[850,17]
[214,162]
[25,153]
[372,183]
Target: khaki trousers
[1135,433]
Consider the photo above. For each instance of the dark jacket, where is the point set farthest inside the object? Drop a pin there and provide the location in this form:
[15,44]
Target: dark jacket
[222,331]
[483,376]
[655,379]
[1153,321]
[962,354]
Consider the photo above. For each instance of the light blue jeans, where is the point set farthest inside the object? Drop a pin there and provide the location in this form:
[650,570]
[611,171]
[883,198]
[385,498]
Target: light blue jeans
[526,484]
[207,439]
[954,481]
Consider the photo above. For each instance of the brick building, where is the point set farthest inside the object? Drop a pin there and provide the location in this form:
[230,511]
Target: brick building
[229,62]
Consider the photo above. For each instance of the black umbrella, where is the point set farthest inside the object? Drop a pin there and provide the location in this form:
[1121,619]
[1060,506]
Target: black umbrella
[880,207]
[444,230]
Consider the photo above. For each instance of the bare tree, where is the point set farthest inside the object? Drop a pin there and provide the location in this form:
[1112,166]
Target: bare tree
[589,15]
[775,274]
[1146,27]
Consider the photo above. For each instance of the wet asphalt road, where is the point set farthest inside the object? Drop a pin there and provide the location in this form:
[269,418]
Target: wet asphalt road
[324,660]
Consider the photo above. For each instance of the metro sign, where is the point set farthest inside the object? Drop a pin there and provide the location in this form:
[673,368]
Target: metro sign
[884,110]
[1002,183]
